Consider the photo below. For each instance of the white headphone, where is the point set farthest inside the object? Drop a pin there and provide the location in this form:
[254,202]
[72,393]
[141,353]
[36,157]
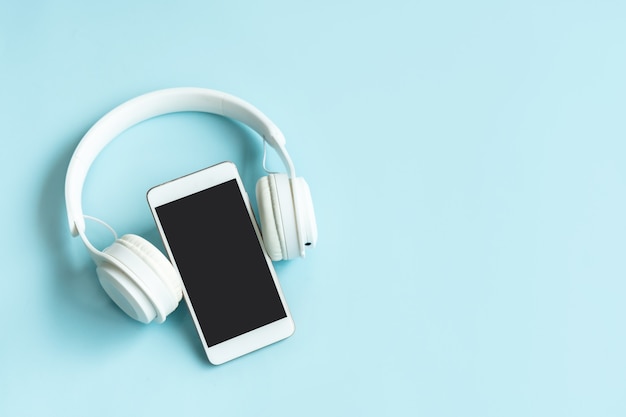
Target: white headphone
[133,272]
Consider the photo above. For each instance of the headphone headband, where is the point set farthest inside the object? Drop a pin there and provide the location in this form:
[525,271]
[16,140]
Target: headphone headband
[151,105]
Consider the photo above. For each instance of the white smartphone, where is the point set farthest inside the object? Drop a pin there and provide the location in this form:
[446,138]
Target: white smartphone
[229,284]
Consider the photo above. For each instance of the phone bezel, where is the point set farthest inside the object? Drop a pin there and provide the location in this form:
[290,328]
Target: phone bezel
[196,182]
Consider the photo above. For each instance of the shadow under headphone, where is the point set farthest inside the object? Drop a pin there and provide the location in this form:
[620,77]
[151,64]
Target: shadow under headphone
[132,271]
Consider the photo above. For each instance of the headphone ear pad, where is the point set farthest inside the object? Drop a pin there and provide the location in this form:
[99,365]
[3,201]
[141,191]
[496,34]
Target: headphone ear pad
[269,227]
[278,217]
[140,279]
[157,262]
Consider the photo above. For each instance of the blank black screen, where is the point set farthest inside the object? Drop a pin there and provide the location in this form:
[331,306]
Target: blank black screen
[220,260]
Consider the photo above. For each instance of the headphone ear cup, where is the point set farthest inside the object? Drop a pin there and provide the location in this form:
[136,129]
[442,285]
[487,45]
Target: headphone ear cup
[269,227]
[278,217]
[157,262]
[306,212]
[139,279]
[125,292]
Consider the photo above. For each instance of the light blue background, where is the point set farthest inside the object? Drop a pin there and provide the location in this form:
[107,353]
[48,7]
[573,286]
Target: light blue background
[467,165]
